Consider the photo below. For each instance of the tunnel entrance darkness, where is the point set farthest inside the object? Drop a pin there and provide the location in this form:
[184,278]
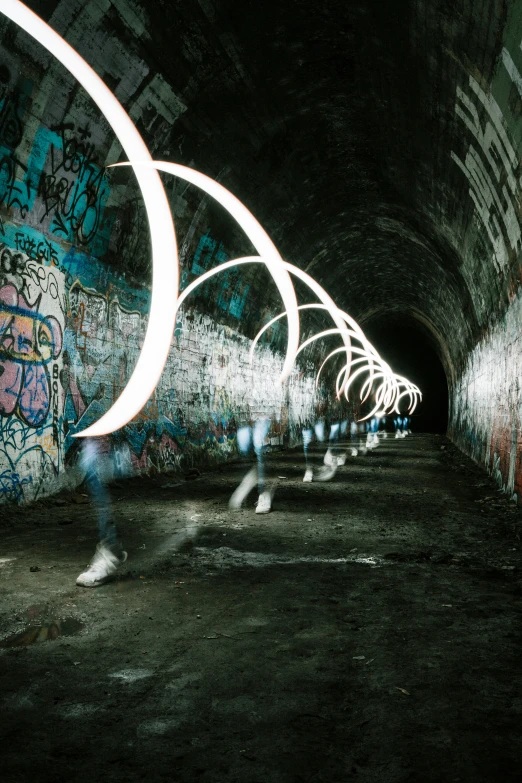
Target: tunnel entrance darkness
[403,343]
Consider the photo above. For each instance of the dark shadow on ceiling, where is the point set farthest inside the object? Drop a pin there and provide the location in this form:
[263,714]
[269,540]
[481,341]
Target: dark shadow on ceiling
[410,351]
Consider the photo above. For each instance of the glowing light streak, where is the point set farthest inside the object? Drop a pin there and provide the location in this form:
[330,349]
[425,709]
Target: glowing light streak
[274,320]
[341,332]
[212,272]
[339,316]
[162,315]
[328,303]
[164,299]
[345,369]
[256,234]
[386,393]
[368,367]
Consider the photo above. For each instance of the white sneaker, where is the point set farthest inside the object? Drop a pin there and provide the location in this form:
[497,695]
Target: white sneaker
[354,452]
[309,475]
[341,459]
[384,434]
[326,473]
[104,564]
[328,458]
[398,435]
[246,486]
[264,504]
[375,440]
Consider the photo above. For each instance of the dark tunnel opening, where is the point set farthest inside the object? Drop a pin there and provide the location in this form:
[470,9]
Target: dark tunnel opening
[404,344]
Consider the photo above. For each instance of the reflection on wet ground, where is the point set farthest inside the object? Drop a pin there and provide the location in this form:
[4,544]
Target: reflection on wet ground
[43,633]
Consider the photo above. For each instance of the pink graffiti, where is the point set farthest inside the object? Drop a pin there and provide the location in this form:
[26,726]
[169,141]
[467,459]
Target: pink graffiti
[28,342]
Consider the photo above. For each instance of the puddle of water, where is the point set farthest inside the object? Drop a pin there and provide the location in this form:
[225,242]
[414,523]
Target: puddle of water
[43,633]
[225,557]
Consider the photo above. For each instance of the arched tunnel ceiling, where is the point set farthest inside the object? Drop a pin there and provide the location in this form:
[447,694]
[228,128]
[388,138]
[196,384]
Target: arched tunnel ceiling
[337,123]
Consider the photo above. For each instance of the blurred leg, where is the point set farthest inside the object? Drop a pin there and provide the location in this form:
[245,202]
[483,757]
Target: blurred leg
[244,441]
[307,439]
[109,554]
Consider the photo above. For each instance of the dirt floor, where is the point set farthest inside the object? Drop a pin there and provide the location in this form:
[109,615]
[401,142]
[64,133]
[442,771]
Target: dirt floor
[368,629]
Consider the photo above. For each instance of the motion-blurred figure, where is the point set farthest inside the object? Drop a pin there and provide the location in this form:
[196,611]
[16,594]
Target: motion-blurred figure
[308,435]
[333,457]
[327,470]
[354,430]
[372,439]
[246,437]
[109,554]
[401,423]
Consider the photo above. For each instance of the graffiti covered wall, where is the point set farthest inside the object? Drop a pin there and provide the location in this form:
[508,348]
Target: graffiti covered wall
[487,403]
[485,419]
[66,353]
[75,273]
[32,321]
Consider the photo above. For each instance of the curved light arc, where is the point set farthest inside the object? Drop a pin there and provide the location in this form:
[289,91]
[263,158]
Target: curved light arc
[165,276]
[256,234]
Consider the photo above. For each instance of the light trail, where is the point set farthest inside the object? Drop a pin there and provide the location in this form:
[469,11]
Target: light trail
[258,237]
[165,264]
[165,274]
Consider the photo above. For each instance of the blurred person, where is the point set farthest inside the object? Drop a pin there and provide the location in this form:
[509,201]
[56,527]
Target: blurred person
[333,456]
[248,437]
[354,431]
[308,435]
[398,424]
[372,439]
[109,555]
[352,428]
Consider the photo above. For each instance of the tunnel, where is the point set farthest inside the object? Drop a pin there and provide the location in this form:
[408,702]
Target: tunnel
[412,352]
[301,573]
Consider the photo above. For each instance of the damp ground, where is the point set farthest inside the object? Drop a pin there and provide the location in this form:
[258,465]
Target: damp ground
[367,629]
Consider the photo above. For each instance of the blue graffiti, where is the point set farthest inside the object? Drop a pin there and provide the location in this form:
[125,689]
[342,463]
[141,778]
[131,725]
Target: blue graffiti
[232,292]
